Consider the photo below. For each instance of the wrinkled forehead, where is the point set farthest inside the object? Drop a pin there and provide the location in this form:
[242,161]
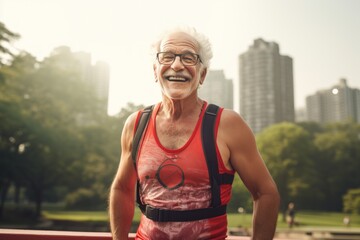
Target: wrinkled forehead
[179,42]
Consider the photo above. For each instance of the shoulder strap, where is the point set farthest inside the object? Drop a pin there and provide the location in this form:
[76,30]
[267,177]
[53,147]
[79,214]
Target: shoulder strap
[139,132]
[209,141]
[209,145]
[143,122]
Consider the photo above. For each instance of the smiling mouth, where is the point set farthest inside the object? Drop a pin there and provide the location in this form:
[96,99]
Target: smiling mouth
[176,79]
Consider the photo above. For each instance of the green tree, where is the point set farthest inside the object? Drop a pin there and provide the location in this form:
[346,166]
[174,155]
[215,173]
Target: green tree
[50,104]
[352,201]
[286,149]
[95,170]
[6,39]
[338,162]
[12,128]
[100,161]
[54,136]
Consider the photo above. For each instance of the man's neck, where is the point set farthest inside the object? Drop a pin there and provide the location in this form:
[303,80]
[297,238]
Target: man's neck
[176,109]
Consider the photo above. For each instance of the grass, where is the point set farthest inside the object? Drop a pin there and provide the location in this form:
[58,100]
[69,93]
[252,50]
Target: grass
[304,219]
[100,216]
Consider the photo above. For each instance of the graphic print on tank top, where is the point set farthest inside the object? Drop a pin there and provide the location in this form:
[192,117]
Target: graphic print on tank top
[172,181]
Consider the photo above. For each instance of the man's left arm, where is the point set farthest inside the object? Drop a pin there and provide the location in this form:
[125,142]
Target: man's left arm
[246,161]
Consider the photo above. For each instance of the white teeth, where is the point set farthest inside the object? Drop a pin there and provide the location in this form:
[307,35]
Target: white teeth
[173,78]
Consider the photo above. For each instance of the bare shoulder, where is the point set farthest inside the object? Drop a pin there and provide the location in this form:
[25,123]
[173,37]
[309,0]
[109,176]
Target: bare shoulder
[129,126]
[239,139]
[131,121]
[234,126]
[230,116]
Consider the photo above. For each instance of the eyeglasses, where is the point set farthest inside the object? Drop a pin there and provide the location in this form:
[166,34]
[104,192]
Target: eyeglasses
[188,59]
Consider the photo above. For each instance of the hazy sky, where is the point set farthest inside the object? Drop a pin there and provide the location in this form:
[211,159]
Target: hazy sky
[322,37]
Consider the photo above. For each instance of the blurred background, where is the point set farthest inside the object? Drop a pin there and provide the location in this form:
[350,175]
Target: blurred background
[71,72]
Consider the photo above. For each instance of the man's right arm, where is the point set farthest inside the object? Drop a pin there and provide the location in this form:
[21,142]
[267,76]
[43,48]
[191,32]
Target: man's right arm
[122,192]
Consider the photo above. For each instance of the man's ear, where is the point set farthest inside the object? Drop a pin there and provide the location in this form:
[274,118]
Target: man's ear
[203,75]
[155,75]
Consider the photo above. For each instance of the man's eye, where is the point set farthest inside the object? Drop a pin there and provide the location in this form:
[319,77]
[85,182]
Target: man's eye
[189,58]
[168,56]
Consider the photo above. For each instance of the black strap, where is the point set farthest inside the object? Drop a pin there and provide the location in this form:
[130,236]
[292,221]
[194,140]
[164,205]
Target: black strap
[164,215]
[208,140]
[143,122]
[209,143]
[140,129]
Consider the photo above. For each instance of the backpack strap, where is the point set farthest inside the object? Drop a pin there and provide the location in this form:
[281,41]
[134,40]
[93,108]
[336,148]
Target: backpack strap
[139,132]
[142,124]
[209,143]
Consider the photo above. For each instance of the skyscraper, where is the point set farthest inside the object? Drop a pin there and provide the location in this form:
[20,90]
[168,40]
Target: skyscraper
[100,80]
[338,103]
[96,75]
[266,85]
[217,89]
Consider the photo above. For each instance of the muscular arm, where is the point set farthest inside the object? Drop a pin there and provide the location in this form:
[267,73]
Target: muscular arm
[121,200]
[247,162]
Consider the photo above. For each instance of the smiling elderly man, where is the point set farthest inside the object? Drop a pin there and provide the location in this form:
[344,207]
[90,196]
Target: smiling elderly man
[179,156]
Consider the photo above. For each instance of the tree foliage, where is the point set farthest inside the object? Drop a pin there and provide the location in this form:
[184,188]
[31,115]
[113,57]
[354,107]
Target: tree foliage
[313,165]
[352,201]
[337,162]
[286,149]
[6,39]
[52,129]
[55,139]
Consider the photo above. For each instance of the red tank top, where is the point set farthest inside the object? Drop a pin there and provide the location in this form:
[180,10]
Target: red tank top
[178,179]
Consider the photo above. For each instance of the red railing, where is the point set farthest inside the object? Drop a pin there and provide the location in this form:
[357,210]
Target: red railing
[16,234]
[315,234]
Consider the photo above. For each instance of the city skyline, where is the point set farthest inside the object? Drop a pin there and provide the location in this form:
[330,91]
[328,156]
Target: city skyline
[320,36]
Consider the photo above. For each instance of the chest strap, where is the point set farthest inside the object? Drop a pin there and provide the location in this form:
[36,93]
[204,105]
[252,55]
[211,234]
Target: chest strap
[165,215]
[216,179]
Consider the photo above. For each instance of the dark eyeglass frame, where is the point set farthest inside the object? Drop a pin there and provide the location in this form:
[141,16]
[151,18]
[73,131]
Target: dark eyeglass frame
[181,58]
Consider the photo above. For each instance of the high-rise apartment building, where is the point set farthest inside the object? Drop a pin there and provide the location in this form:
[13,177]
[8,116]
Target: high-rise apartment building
[266,85]
[217,89]
[336,104]
[100,80]
[96,75]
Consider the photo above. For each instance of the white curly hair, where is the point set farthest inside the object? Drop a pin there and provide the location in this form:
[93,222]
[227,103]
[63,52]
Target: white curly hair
[205,50]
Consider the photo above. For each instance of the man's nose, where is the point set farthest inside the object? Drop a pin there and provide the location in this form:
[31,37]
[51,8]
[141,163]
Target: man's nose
[177,64]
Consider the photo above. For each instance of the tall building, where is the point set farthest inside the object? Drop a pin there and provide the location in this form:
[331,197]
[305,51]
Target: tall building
[300,115]
[100,80]
[217,89]
[266,85]
[96,75]
[338,103]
